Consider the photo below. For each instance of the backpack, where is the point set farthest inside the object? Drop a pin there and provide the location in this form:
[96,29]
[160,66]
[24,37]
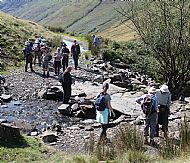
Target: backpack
[100,103]
[49,57]
[147,105]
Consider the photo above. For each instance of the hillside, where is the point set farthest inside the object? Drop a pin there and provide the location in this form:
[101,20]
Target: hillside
[84,16]
[13,33]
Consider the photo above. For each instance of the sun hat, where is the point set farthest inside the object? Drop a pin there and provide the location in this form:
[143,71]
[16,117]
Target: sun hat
[164,88]
[152,90]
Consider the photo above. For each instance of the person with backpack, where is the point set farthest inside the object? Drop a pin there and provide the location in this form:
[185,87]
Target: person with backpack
[103,110]
[66,81]
[164,102]
[65,54]
[75,52]
[46,57]
[149,106]
[28,56]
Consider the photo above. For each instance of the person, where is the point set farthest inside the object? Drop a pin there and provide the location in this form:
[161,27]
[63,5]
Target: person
[37,52]
[65,54]
[66,84]
[75,51]
[46,57]
[164,102]
[103,116]
[95,41]
[28,56]
[150,110]
[57,61]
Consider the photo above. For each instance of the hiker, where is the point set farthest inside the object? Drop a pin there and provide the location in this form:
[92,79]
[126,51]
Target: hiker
[65,53]
[149,106]
[28,56]
[66,84]
[105,113]
[95,41]
[37,52]
[164,102]
[75,51]
[57,61]
[46,57]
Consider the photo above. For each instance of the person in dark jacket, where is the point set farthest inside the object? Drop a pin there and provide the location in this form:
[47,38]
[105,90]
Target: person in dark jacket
[75,51]
[28,55]
[65,58]
[66,84]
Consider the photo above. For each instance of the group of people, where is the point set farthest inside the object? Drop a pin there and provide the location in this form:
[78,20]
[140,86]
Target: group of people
[41,52]
[156,107]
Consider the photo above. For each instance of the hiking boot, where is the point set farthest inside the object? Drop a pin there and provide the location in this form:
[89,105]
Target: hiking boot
[32,70]
[146,141]
[43,74]
[153,143]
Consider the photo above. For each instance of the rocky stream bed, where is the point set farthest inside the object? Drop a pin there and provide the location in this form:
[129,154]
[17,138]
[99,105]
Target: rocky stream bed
[35,106]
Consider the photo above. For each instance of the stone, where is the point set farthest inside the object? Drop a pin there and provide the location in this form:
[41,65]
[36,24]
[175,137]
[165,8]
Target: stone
[88,128]
[3,121]
[135,81]
[64,109]
[25,126]
[9,132]
[6,98]
[4,106]
[115,77]
[75,107]
[96,125]
[119,120]
[35,133]
[73,128]
[49,137]
[52,93]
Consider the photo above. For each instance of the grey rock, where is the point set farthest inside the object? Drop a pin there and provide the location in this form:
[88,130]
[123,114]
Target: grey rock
[64,109]
[49,137]
[89,128]
[6,98]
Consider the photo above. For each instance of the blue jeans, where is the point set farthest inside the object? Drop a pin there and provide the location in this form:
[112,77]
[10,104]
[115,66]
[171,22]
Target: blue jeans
[151,122]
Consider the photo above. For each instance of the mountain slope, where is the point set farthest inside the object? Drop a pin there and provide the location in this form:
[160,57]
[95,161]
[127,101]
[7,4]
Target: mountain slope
[13,33]
[84,16]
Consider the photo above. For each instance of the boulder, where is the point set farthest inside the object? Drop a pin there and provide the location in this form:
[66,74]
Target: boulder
[23,125]
[6,98]
[120,65]
[115,77]
[64,109]
[52,93]
[49,137]
[8,132]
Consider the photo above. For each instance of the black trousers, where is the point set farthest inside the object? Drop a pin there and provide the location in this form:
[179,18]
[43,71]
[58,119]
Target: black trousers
[65,62]
[163,115]
[28,61]
[104,129]
[67,93]
[75,58]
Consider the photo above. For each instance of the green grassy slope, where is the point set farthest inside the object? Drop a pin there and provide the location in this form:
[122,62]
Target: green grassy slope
[13,33]
[85,16]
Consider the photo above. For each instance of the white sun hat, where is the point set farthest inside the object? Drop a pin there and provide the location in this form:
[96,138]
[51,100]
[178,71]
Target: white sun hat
[164,88]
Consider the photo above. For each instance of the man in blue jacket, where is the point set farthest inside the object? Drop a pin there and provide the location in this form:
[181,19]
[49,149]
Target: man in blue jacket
[149,105]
